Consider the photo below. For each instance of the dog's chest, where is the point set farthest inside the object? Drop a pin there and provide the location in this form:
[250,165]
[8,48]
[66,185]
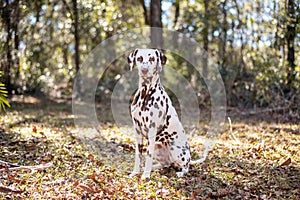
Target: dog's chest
[149,106]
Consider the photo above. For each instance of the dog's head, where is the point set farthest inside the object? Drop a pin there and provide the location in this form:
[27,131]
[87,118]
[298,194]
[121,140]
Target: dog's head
[148,61]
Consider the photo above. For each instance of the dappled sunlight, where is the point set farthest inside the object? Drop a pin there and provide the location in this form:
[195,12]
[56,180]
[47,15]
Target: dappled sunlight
[265,143]
[67,82]
[249,162]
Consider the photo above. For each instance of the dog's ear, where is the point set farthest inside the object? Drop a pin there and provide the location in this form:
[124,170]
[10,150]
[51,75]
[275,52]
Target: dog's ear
[162,59]
[131,59]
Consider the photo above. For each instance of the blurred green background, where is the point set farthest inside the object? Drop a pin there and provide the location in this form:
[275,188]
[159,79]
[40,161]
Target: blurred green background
[255,44]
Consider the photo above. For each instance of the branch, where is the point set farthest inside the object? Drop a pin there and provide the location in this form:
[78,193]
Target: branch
[7,164]
[177,12]
[28,168]
[145,12]
[7,189]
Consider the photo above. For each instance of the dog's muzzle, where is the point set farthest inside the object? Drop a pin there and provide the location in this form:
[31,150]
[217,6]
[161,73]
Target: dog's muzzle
[145,71]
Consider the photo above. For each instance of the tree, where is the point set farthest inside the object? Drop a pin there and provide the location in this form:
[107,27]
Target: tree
[205,38]
[155,22]
[7,62]
[145,12]
[76,35]
[290,40]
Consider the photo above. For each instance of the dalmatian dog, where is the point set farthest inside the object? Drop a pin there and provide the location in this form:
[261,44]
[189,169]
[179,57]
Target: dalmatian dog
[155,118]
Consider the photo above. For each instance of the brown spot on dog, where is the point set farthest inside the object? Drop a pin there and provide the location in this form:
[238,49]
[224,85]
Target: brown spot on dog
[140,59]
[135,99]
[168,118]
[128,60]
[160,113]
[143,93]
[151,59]
[152,125]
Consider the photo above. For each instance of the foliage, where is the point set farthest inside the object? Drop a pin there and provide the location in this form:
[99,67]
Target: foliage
[262,162]
[252,57]
[247,39]
[44,56]
[3,95]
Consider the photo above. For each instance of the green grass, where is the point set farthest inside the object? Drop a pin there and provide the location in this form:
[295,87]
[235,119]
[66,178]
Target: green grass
[33,132]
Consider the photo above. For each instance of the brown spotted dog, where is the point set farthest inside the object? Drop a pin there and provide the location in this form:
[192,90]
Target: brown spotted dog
[155,118]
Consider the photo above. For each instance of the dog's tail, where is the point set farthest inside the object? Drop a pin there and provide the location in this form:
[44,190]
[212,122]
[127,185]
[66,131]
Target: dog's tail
[208,145]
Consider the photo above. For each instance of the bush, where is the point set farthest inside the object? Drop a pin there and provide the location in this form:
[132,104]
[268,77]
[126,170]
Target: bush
[3,96]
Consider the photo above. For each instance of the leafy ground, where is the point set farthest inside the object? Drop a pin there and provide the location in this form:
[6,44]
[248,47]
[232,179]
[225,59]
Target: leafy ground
[258,159]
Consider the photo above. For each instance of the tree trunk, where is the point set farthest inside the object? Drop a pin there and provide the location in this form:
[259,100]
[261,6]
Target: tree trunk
[76,35]
[16,40]
[223,36]
[155,22]
[290,37]
[145,12]
[8,57]
[205,40]
[176,16]
[177,11]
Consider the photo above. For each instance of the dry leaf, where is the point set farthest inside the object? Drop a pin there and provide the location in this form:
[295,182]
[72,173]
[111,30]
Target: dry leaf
[30,147]
[75,184]
[193,196]
[86,188]
[91,157]
[93,177]
[34,129]
[287,162]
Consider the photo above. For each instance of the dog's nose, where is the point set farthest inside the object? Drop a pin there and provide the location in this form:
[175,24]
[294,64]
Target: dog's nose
[144,70]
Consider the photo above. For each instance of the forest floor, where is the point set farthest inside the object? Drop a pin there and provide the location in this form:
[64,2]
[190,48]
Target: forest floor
[258,159]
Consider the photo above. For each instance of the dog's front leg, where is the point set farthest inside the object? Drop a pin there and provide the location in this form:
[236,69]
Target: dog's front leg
[138,155]
[150,153]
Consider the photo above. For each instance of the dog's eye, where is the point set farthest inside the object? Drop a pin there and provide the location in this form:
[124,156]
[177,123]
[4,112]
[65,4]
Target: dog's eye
[151,59]
[140,59]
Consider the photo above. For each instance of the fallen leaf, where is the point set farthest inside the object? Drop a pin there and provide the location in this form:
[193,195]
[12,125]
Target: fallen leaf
[93,177]
[86,188]
[30,147]
[193,196]
[75,184]
[34,129]
[219,194]
[91,157]
[286,162]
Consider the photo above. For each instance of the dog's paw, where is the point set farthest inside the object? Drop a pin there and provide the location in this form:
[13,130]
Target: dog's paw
[133,174]
[180,174]
[146,176]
